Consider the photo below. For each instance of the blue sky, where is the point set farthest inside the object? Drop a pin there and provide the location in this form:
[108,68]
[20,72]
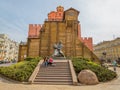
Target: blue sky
[99,19]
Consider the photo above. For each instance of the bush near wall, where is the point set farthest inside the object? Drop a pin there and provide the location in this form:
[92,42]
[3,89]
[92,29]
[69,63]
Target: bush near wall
[20,71]
[102,73]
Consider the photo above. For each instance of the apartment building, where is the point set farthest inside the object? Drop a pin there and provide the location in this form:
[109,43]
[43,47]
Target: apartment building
[109,50]
[8,48]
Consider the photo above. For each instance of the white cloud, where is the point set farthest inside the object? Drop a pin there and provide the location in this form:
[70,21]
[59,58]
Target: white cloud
[100,19]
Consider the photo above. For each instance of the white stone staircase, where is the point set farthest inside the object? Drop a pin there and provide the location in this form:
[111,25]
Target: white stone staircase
[60,73]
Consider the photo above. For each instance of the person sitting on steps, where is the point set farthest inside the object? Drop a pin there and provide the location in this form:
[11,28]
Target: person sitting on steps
[50,62]
[46,61]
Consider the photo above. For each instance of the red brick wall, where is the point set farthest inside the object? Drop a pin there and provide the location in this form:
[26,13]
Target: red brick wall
[56,16]
[88,42]
[34,30]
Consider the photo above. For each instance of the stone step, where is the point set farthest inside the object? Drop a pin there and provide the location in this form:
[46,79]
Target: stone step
[54,75]
[54,83]
[63,63]
[55,71]
[59,58]
[52,80]
[59,73]
[58,63]
[45,68]
[55,65]
[53,68]
[66,66]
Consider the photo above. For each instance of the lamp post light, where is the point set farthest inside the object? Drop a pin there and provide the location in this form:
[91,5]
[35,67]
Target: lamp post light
[103,60]
[104,54]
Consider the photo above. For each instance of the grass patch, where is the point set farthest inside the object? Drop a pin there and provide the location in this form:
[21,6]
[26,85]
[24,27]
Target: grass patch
[20,71]
[102,73]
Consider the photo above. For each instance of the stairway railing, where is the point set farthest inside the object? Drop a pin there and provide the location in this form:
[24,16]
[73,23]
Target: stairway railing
[32,77]
[74,77]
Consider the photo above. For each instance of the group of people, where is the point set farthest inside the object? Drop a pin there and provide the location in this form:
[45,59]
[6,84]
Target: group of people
[113,63]
[48,61]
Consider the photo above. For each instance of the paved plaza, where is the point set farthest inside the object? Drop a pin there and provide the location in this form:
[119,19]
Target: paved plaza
[112,85]
[6,64]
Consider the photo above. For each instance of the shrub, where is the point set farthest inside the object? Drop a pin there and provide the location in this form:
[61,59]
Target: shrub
[102,73]
[20,71]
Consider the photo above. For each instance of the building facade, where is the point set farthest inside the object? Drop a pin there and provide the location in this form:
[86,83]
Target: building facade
[58,15]
[109,50]
[60,26]
[8,48]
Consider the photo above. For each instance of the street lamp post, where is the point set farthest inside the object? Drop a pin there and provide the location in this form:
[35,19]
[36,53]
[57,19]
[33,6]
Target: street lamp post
[104,54]
[103,60]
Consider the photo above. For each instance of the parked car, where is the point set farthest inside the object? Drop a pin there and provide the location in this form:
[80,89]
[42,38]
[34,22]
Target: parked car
[6,61]
[13,61]
[1,61]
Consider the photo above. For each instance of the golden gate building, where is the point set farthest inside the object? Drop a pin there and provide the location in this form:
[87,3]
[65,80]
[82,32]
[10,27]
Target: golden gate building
[60,26]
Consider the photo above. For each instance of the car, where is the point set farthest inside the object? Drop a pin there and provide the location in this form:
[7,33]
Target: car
[14,61]
[6,61]
[1,61]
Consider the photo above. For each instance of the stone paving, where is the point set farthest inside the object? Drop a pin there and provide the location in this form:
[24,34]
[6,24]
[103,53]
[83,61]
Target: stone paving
[6,64]
[112,85]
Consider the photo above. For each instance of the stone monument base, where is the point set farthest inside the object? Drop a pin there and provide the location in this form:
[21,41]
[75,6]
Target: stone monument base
[59,58]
